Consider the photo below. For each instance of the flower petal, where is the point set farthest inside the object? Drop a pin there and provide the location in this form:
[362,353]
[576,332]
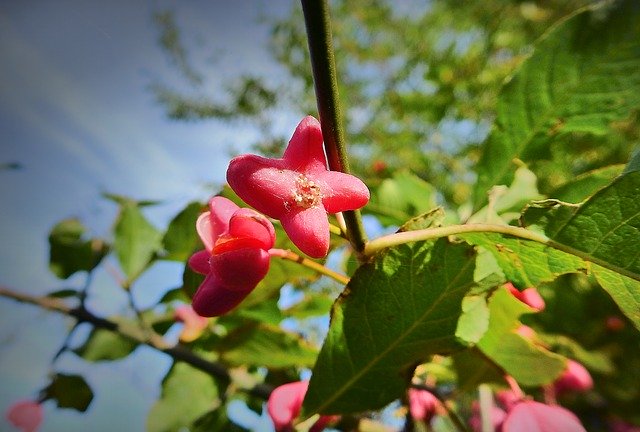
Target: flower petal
[249,223]
[240,269]
[422,404]
[205,231]
[308,229]
[221,210]
[341,192]
[199,262]
[305,153]
[213,299]
[575,378]
[531,416]
[285,402]
[264,184]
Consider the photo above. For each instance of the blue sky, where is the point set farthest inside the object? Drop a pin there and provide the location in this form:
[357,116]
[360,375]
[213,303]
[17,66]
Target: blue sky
[77,113]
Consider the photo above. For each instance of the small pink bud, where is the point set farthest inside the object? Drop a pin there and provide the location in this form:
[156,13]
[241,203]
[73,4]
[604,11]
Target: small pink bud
[574,378]
[614,323]
[194,324]
[298,189]
[285,403]
[526,332]
[235,258]
[507,399]
[25,415]
[530,296]
[497,417]
[531,416]
[422,404]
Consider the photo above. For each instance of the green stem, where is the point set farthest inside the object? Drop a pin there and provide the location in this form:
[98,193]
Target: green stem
[390,240]
[318,24]
[383,242]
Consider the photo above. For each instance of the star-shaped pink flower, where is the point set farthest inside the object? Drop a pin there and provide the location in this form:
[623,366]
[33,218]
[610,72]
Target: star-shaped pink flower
[298,189]
[235,259]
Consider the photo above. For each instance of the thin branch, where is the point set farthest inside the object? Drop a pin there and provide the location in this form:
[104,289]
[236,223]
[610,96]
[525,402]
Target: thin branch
[291,256]
[178,352]
[318,25]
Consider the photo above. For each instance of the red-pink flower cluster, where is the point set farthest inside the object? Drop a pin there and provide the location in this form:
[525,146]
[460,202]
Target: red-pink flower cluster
[298,189]
[422,404]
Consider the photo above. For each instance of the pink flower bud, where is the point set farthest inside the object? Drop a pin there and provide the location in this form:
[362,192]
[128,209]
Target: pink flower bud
[422,404]
[526,332]
[298,189]
[497,417]
[194,324]
[530,296]
[235,258]
[531,416]
[507,399]
[25,415]
[574,378]
[285,403]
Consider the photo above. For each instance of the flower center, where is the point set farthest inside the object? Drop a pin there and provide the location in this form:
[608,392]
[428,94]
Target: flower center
[306,194]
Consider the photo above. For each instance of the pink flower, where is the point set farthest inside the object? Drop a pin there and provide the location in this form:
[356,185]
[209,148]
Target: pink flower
[574,378]
[526,332]
[531,416]
[25,415]
[497,417]
[298,189]
[285,403]
[235,258]
[507,398]
[530,296]
[194,324]
[422,404]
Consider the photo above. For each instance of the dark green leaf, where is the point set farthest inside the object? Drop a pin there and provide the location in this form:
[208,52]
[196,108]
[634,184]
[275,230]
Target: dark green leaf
[585,185]
[69,252]
[565,88]
[396,311]
[64,293]
[136,241]
[265,345]
[529,364]
[181,238]
[105,345]
[216,420]
[187,394]
[473,368]
[69,391]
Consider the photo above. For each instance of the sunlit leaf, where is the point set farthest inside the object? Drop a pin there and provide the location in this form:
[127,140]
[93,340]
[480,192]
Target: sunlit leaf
[187,394]
[395,312]
[529,364]
[136,240]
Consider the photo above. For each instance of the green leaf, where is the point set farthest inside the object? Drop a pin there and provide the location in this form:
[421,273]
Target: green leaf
[136,241]
[63,293]
[401,197]
[473,368]
[396,311]
[474,320]
[216,420]
[69,391]
[565,88]
[265,345]
[187,394]
[585,185]
[105,345]
[181,238]
[529,364]
[524,262]
[604,230]
[69,252]
[312,305]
